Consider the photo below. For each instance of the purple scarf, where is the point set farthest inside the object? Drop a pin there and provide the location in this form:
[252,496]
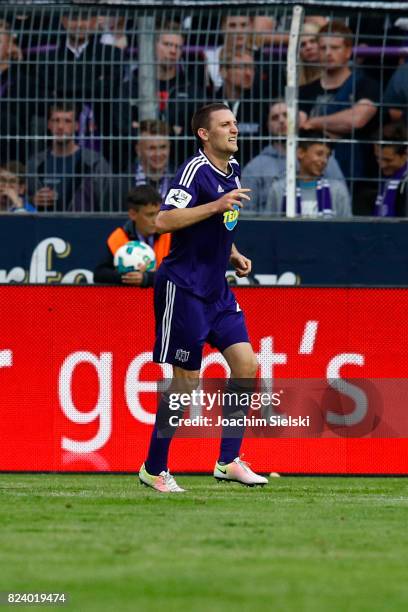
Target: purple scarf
[385,201]
[323,197]
[87,136]
[142,179]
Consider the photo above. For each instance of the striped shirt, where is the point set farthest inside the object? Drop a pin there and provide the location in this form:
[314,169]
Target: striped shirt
[200,253]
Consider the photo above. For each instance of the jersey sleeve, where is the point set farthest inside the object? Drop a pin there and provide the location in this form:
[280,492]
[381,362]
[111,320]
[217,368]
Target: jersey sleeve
[235,165]
[183,191]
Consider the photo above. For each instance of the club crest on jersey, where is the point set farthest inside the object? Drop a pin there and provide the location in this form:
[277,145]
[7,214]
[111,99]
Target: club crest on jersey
[182,355]
[178,198]
[231,218]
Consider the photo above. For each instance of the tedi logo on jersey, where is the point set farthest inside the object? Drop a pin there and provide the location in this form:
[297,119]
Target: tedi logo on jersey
[231,217]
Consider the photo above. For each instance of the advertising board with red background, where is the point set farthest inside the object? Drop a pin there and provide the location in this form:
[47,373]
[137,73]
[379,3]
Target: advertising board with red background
[78,388]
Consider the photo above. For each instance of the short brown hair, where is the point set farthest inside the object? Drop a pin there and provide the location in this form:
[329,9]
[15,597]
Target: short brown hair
[202,117]
[312,137]
[16,168]
[61,106]
[155,127]
[396,133]
[169,27]
[337,28]
[142,195]
[228,57]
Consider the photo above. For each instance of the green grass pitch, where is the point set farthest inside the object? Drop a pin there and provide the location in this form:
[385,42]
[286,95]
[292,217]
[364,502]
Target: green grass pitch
[318,544]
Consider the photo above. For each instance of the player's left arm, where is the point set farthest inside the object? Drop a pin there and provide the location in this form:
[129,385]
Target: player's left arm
[242,265]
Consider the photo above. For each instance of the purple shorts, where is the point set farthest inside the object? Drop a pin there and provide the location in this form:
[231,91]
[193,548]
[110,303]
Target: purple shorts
[184,323]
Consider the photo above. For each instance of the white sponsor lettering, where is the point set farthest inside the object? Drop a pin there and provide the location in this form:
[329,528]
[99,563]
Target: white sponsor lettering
[134,387]
[6,358]
[103,407]
[342,386]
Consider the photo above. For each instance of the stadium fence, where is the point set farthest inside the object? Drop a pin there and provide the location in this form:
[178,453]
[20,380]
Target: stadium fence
[135,72]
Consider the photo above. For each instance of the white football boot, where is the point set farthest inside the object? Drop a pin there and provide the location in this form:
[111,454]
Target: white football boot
[164,482]
[239,471]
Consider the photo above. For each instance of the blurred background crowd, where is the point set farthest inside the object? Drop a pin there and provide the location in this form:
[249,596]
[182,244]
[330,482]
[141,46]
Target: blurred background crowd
[75,136]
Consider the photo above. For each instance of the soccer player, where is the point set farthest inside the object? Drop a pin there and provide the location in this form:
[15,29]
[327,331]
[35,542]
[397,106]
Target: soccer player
[193,303]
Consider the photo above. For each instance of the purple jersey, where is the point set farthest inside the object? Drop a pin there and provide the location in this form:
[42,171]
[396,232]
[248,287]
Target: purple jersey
[200,253]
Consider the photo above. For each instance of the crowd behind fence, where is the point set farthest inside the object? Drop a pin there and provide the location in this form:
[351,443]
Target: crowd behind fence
[96,101]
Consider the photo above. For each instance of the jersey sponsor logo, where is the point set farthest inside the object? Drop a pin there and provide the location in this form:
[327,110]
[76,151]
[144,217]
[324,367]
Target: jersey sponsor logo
[182,355]
[220,189]
[178,198]
[230,218]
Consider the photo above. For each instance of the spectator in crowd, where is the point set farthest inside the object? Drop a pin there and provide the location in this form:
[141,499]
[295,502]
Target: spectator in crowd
[83,70]
[270,164]
[115,34]
[236,30]
[143,203]
[309,69]
[374,30]
[342,102]
[35,28]
[15,91]
[263,31]
[178,91]
[396,95]
[315,195]
[318,20]
[392,159]
[242,95]
[66,177]
[12,189]
[150,166]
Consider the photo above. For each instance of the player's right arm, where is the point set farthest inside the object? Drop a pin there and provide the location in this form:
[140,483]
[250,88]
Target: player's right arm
[177,218]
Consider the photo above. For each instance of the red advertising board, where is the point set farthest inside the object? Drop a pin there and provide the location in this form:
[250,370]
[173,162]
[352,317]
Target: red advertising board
[77,384]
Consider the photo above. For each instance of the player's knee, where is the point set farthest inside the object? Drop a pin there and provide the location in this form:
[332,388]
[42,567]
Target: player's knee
[252,367]
[185,381]
[246,368]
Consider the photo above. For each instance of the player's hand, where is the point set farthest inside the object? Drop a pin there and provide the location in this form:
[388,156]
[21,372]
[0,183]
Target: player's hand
[231,199]
[242,265]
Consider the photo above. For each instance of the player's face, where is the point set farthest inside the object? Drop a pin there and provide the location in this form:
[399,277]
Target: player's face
[242,73]
[145,218]
[309,49]
[236,29]
[389,160]
[153,153]
[62,125]
[278,119]
[169,48]
[222,135]
[313,160]
[333,52]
